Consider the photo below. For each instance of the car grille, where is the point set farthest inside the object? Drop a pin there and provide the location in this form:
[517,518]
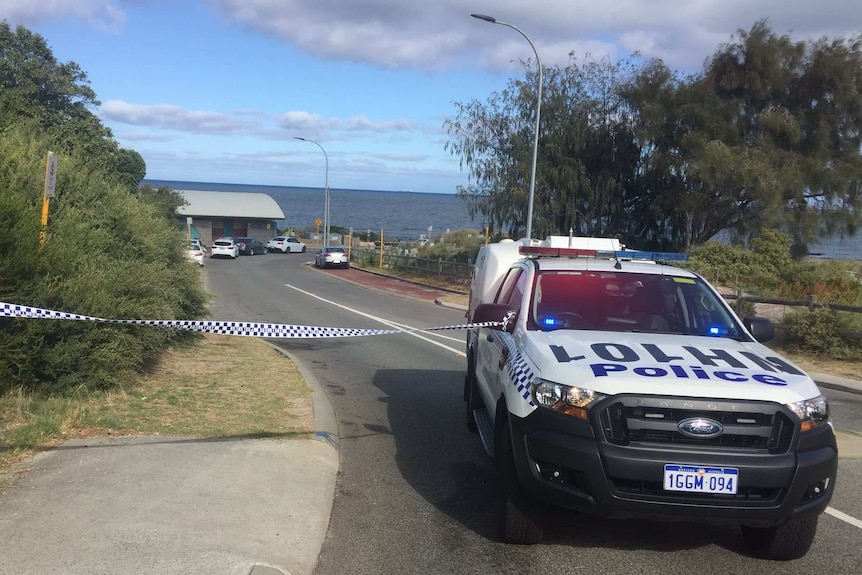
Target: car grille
[748,426]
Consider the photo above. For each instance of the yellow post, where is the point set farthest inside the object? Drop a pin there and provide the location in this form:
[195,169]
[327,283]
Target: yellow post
[47,194]
[486,235]
[380,264]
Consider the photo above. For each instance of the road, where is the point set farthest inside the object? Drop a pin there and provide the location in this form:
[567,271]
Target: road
[415,490]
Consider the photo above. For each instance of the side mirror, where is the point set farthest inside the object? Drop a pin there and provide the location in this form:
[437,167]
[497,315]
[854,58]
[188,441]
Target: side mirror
[760,327]
[494,312]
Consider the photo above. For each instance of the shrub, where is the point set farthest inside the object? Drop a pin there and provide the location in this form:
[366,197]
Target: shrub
[107,254]
[821,332]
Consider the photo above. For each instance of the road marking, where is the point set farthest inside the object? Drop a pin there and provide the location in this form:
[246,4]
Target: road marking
[385,322]
[844,517]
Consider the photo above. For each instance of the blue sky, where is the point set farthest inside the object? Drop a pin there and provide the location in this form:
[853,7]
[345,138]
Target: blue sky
[216,90]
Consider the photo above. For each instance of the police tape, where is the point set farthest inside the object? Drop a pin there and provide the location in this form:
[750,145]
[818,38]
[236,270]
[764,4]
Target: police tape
[241,328]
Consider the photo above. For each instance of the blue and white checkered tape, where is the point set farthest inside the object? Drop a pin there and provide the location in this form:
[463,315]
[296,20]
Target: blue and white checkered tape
[241,328]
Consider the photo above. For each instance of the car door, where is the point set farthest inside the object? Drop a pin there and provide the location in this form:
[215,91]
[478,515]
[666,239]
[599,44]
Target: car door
[491,343]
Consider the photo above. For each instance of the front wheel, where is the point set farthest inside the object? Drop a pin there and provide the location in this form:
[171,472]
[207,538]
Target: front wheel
[303,249]
[783,542]
[518,514]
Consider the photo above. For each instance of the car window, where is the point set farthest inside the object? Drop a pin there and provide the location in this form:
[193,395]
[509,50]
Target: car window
[609,301]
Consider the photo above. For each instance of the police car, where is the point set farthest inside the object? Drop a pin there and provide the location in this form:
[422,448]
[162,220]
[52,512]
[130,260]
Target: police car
[608,382]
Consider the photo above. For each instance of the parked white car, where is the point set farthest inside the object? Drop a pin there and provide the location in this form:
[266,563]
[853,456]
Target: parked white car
[196,252]
[285,244]
[224,247]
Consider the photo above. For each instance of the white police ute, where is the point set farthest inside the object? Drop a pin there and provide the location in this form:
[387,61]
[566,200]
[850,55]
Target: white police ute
[611,382]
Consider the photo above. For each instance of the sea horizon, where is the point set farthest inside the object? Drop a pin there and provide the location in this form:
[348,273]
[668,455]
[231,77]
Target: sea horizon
[411,215]
[157,182]
[399,215]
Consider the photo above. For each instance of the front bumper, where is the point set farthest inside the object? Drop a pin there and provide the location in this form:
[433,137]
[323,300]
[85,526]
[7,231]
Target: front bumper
[571,464]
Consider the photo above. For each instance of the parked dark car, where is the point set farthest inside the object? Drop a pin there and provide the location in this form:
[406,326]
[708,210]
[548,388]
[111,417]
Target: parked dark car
[250,246]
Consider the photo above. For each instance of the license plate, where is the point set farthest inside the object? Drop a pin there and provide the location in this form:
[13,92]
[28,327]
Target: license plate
[696,479]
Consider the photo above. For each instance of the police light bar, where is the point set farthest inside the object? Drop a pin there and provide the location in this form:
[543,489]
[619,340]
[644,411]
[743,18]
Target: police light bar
[652,256]
[544,251]
[556,252]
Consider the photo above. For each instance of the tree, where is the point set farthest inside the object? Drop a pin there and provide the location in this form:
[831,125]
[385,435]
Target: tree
[108,252]
[34,85]
[767,135]
[131,167]
[797,109]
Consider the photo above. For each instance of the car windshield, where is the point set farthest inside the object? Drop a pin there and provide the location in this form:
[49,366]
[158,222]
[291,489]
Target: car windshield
[335,250]
[617,301]
[224,243]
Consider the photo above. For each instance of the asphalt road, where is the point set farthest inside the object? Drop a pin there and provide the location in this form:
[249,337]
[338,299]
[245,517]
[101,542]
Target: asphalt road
[415,490]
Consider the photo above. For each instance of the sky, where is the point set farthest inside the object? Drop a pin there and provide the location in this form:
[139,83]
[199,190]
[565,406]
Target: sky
[218,90]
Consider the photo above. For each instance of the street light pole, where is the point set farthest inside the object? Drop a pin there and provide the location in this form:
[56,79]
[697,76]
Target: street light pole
[326,195]
[493,20]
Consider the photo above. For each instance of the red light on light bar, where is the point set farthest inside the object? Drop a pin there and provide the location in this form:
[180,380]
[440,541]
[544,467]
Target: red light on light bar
[556,252]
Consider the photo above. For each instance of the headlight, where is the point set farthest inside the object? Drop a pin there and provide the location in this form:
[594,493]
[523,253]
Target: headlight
[813,412]
[566,399]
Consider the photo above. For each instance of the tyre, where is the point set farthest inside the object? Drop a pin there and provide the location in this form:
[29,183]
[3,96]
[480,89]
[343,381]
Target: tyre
[783,542]
[303,249]
[518,514]
[471,394]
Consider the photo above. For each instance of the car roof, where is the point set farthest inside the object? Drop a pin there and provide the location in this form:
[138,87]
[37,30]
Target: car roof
[566,264]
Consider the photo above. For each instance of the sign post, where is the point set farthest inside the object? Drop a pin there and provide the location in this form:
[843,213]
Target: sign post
[50,184]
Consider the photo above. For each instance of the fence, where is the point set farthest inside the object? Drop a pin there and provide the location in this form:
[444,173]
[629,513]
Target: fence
[457,272]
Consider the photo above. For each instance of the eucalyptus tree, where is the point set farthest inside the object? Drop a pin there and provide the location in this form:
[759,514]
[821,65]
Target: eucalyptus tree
[585,156]
[766,135]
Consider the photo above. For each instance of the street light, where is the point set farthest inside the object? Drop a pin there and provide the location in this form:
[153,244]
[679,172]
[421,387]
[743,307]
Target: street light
[326,196]
[493,20]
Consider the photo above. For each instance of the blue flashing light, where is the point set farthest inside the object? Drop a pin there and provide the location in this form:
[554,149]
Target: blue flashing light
[715,330]
[550,322]
[652,256]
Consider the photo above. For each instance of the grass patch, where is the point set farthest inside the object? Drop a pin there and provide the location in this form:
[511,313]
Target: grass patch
[221,386]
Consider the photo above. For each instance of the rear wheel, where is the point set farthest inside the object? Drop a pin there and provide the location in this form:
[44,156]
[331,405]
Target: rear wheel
[518,514]
[471,394]
[783,542]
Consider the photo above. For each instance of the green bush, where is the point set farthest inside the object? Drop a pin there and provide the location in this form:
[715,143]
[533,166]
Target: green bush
[107,253]
[457,246]
[822,332]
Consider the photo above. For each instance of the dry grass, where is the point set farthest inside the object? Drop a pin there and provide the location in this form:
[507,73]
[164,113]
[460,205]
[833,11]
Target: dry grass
[222,386]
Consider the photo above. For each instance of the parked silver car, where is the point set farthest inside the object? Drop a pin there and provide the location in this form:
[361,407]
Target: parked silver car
[332,257]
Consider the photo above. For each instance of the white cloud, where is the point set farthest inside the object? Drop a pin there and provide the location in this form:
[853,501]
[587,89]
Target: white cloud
[172,117]
[286,126]
[440,34]
[102,15]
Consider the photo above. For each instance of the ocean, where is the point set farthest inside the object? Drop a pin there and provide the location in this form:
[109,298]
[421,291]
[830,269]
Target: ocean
[401,215]
[409,215]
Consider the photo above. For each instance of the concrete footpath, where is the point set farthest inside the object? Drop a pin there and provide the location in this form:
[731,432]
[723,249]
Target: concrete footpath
[170,505]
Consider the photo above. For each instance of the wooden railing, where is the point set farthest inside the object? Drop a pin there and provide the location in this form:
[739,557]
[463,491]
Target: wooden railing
[395,263]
